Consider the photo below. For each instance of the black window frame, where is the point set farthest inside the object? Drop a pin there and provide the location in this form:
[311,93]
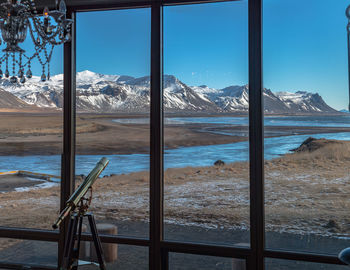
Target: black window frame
[158,247]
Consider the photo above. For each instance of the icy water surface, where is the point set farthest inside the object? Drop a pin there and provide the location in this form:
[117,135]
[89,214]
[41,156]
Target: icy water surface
[188,156]
[174,158]
[305,121]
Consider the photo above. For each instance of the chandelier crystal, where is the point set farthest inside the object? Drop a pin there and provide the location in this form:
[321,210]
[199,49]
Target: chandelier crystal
[17,18]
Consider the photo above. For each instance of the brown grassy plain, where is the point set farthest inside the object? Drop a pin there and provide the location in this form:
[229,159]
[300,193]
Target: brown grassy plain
[306,192]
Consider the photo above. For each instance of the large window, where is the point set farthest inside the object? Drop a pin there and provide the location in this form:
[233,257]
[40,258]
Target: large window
[30,153]
[112,103]
[205,100]
[306,171]
[209,167]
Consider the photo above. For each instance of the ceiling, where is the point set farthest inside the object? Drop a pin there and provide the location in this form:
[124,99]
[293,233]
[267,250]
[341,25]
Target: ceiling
[90,5]
[80,5]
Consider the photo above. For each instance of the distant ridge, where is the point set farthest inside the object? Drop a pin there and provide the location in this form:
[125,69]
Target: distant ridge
[10,101]
[114,93]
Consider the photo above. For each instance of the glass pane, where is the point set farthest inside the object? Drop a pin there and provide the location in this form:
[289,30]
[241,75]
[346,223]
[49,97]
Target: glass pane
[28,252]
[277,264]
[123,257]
[206,194]
[307,158]
[113,114]
[31,142]
[179,261]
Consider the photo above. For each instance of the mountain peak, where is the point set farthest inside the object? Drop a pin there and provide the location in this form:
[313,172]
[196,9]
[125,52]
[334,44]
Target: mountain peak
[87,76]
[86,73]
[170,78]
[112,93]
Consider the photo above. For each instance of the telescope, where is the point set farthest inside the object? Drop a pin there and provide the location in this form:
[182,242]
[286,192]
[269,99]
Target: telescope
[78,196]
[76,208]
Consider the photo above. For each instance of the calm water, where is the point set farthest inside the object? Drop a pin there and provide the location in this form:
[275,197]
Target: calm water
[305,121]
[187,156]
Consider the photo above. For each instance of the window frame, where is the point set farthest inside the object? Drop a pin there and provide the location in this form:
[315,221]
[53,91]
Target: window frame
[158,247]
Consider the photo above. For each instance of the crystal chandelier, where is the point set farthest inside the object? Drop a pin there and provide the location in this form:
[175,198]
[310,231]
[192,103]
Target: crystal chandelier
[46,31]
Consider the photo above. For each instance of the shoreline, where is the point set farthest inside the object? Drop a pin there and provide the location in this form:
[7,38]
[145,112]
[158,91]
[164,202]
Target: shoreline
[42,135]
[305,192]
[298,199]
[10,183]
[29,146]
[24,134]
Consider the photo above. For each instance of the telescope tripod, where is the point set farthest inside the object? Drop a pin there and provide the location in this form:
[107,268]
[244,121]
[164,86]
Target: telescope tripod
[71,253]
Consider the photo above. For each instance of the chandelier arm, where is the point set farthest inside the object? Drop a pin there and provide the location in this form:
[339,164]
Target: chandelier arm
[40,60]
[31,6]
[33,56]
[16,19]
[48,56]
[51,38]
[3,12]
[38,28]
[31,34]
[53,42]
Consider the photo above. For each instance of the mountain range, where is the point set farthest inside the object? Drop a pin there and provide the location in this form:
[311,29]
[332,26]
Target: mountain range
[114,93]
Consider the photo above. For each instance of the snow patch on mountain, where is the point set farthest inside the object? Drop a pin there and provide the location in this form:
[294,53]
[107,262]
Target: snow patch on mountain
[111,93]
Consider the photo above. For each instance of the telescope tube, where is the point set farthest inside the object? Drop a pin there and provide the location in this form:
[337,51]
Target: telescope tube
[80,192]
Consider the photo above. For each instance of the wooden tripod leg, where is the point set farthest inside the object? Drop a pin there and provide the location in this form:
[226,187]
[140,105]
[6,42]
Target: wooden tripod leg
[69,245]
[97,241]
[79,236]
[75,253]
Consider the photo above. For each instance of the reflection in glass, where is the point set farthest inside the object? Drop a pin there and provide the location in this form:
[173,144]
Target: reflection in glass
[28,252]
[30,148]
[123,257]
[277,264]
[113,86]
[206,178]
[179,261]
[306,153]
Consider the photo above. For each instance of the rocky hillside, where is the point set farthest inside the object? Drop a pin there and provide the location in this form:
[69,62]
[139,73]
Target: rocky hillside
[113,93]
[10,101]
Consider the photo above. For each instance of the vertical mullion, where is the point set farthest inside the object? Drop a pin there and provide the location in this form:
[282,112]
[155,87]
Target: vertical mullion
[156,137]
[256,135]
[348,32]
[68,155]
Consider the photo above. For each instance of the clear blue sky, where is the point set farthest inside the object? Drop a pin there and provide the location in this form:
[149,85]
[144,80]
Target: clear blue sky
[304,45]
[305,48]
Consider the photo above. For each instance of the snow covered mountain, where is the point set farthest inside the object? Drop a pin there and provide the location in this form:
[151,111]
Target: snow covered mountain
[113,93]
